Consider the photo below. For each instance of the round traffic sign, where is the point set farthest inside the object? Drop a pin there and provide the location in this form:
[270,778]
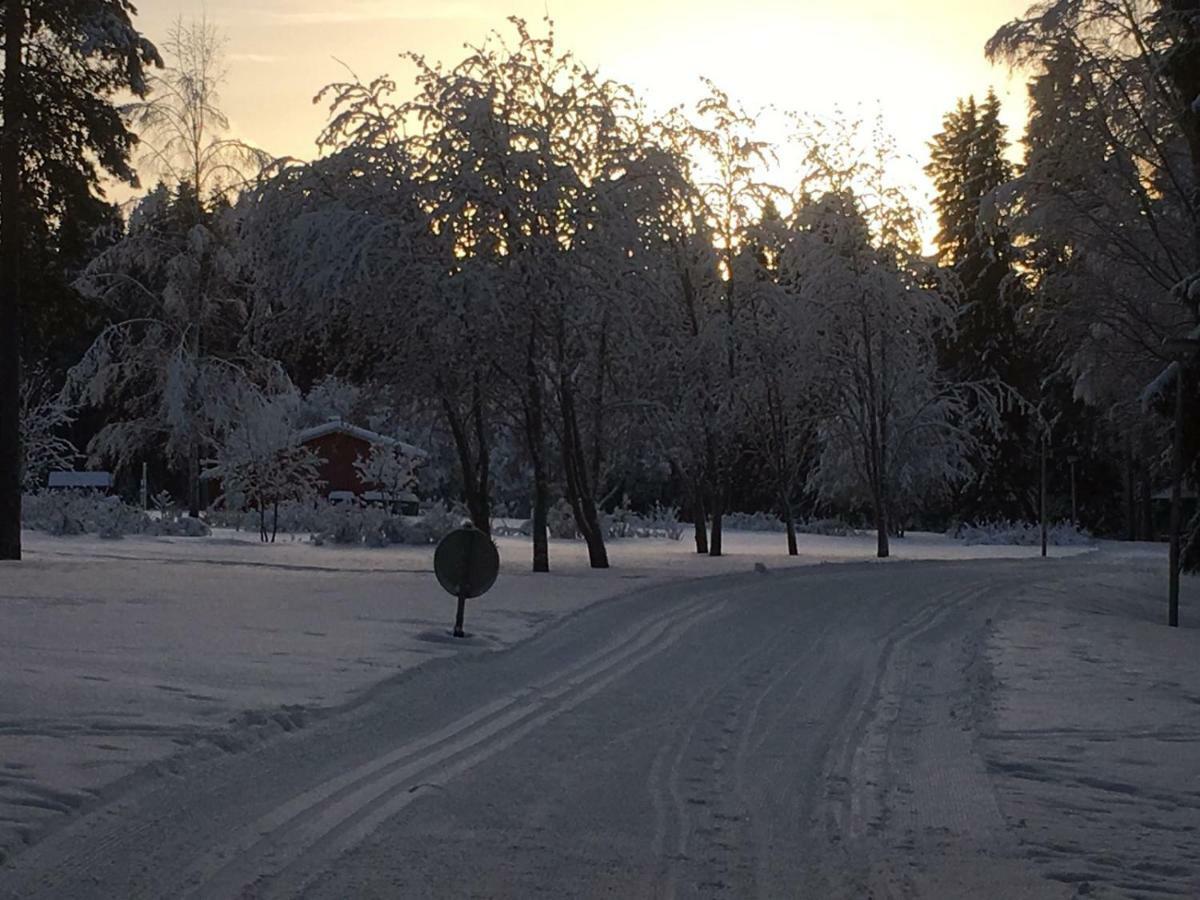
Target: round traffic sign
[466,563]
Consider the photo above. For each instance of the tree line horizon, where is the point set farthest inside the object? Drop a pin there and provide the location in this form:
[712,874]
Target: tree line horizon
[571,301]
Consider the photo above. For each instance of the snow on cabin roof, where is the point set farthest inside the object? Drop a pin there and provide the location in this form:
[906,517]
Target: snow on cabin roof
[337,426]
[80,480]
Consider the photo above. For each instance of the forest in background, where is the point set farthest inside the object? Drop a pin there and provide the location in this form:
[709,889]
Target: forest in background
[572,303]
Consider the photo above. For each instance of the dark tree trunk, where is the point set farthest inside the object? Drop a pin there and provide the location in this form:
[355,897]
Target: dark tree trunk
[535,435]
[701,518]
[11,241]
[883,548]
[193,480]
[789,520]
[579,490]
[275,521]
[540,518]
[474,462]
[594,535]
[1148,532]
[1130,502]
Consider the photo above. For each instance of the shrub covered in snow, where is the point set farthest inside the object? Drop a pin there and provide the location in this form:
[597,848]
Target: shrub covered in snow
[825,527]
[65,513]
[762,522]
[659,522]
[352,525]
[759,521]
[561,521]
[1021,534]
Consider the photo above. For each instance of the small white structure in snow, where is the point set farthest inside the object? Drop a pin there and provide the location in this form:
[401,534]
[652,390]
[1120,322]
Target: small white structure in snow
[85,481]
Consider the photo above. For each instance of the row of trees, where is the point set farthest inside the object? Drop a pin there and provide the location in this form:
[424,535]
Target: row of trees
[568,291]
[1103,223]
[539,258]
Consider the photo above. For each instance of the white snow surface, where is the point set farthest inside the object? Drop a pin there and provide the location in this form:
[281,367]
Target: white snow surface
[119,653]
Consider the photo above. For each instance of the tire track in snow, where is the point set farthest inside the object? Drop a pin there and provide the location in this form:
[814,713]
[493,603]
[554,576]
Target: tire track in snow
[673,818]
[859,764]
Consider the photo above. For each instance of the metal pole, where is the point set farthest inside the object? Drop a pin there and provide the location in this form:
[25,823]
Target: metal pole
[1176,503]
[1074,497]
[1044,528]
[458,619]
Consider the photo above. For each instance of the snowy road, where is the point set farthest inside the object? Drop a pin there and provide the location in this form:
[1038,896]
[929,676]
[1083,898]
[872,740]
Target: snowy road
[842,731]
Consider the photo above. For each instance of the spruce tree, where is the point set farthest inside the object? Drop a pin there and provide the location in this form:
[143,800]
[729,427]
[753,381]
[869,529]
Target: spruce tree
[969,167]
[64,61]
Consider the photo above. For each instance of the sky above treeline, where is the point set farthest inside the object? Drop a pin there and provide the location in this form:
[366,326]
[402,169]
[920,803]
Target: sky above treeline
[908,60]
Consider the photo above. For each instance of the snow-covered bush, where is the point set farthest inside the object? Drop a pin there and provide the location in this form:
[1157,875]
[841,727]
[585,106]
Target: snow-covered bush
[659,522]
[1021,534]
[390,470]
[561,521]
[60,514]
[177,525]
[350,525]
[664,521]
[759,521]
[259,461]
[434,525]
[769,522]
[66,513]
[825,528]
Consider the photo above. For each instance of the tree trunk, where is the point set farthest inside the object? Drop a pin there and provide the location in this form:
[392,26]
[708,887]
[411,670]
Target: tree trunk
[594,536]
[883,548]
[193,478]
[535,434]
[1130,502]
[701,526]
[715,547]
[579,489]
[474,464]
[275,522]
[11,241]
[789,520]
[540,518]
[1148,530]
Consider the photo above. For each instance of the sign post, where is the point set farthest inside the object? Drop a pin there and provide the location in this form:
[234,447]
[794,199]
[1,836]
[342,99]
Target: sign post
[466,563]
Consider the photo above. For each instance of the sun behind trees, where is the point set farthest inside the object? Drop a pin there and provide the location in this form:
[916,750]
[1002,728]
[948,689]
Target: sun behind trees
[577,300]
[523,244]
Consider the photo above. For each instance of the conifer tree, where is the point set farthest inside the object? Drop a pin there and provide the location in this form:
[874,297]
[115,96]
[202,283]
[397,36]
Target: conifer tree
[64,60]
[969,167]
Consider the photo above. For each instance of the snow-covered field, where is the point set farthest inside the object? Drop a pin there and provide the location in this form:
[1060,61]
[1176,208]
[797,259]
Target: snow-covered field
[120,653]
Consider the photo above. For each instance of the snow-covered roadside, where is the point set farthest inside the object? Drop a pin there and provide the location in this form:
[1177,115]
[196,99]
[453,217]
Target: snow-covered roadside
[118,653]
[1093,740]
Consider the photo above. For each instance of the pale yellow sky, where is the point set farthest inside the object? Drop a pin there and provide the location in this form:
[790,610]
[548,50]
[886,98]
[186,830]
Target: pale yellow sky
[909,58]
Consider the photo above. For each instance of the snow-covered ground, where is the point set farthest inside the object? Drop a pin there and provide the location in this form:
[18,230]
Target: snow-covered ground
[1094,731]
[117,653]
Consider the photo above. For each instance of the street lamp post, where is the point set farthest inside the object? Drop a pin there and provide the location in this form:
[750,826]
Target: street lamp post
[1182,350]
